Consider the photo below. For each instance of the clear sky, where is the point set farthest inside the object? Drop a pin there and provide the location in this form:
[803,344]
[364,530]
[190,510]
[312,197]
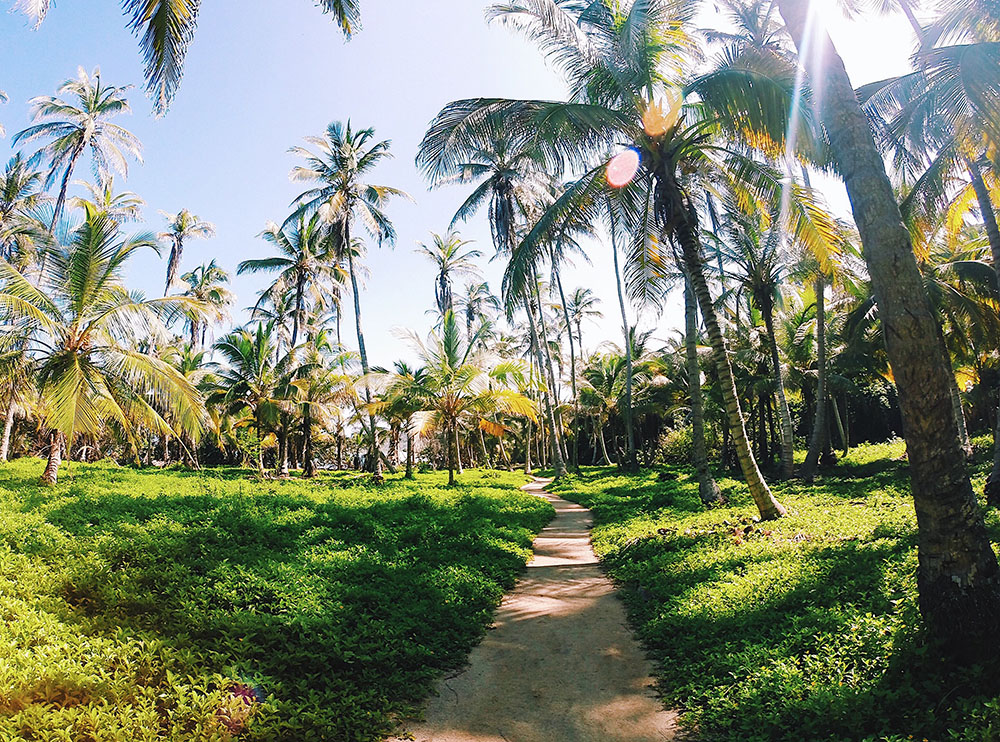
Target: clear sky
[262,74]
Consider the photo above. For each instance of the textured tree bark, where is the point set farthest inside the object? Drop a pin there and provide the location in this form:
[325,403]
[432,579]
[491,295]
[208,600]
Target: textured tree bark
[707,487]
[8,427]
[785,417]
[687,236]
[308,454]
[527,450]
[173,263]
[557,459]
[452,438]
[409,452]
[51,473]
[956,404]
[808,472]
[958,576]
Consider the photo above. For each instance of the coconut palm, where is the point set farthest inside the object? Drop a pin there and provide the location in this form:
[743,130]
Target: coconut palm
[478,305]
[73,127]
[339,167]
[207,285]
[86,327]
[20,195]
[253,378]
[322,390]
[451,257]
[166,30]
[305,264]
[958,578]
[405,395]
[181,227]
[121,207]
[582,306]
[457,385]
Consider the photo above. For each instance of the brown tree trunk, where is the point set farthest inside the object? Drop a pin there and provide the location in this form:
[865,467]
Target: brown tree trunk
[51,473]
[409,452]
[787,439]
[376,462]
[575,459]
[808,472]
[527,450]
[8,427]
[687,234]
[557,459]
[308,455]
[958,577]
[707,487]
[630,463]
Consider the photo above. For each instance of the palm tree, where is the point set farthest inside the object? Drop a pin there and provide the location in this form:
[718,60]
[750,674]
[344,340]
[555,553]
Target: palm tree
[181,227]
[511,184]
[456,384]
[207,285]
[75,127]
[582,307]
[86,326]
[451,258]
[322,389]
[20,195]
[342,197]
[253,378]
[479,306]
[166,30]
[122,207]
[958,578]
[405,396]
[304,265]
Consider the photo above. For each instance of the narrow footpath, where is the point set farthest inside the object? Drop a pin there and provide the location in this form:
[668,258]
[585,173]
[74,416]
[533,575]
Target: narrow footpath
[560,664]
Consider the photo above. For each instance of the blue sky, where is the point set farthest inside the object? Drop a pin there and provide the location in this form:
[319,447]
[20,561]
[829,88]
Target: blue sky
[262,74]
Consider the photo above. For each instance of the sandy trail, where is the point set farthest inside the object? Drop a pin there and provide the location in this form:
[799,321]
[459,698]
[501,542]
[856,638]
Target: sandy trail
[560,664]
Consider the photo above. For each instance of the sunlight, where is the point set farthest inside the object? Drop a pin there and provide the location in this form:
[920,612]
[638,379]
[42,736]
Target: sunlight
[622,168]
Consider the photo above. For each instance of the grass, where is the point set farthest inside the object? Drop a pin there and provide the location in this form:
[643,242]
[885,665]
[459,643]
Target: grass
[182,606]
[801,629]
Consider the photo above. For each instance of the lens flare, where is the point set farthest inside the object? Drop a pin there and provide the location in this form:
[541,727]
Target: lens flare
[623,167]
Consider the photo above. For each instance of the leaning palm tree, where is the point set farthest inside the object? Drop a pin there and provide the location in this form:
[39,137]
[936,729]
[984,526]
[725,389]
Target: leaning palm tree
[305,265]
[85,328]
[451,258]
[166,30]
[72,128]
[181,227]
[342,197]
[958,578]
[207,284]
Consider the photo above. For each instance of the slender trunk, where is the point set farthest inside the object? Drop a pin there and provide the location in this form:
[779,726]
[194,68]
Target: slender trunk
[839,422]
[376,462]
[808,472]
[560,465]
[482,448]
[604,445]
[64,187]
[340,448]
[174,263]
[282,464]
[707,488]
[527,450]
[260,447]
[992,488]
[452,437]
[409,452]
[549,370]
[575,461]
[51,473]
[308,455]
[8,427]
[787,434]
[458,450]
[687,234]
[631,464]
[958,576]
[956,403]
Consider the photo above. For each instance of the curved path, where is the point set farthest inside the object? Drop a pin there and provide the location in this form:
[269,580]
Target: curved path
[560,664]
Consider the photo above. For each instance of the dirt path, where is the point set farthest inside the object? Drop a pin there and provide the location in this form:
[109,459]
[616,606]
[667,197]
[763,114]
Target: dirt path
[560,664]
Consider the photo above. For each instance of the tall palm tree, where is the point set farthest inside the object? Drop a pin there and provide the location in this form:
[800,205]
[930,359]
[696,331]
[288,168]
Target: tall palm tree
[510,184]
[166,30]
[121,207]
[20,194]
[181,227]
[207,284]
[86,328]
[958,578]
[342,197]
[451,258]
[304,266]
[73,127]
[479,305]
[582,307]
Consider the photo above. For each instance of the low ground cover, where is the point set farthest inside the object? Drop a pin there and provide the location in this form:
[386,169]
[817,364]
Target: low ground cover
[189,606]
[801,629]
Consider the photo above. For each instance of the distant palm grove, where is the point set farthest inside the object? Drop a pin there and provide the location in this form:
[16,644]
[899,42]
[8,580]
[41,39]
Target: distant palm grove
[687,154]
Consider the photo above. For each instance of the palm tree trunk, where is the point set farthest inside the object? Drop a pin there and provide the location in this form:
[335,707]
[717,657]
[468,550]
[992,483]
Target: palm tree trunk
[482,449]
[8,427]
[572,370]
[630,463]
[557,459]
[604,445]
[409,452]
[527,450]
[174,263]
[707,488]
[260,448]
[839,422]
[452,439]
[787,434]
[687,234]
[51,473]
[458,450]
[544,338]
[956,403]
[308,456]
[958,576]
[64,187]
[376,461]
[808,472]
